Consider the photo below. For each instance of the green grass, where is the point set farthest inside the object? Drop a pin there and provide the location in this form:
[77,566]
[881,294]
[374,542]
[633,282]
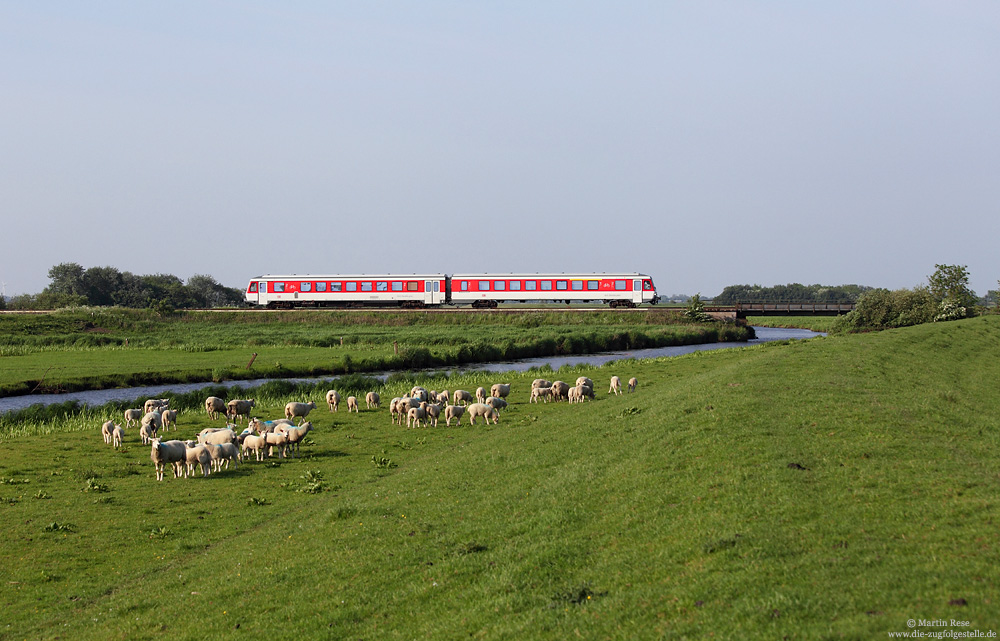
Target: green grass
[104,348]
[815,323]
[830,488]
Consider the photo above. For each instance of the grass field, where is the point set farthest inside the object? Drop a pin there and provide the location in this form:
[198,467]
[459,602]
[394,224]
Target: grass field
[825,489]
[105,348]
[815,323]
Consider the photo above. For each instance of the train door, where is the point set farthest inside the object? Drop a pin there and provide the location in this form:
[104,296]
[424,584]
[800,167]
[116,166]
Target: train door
[637,291]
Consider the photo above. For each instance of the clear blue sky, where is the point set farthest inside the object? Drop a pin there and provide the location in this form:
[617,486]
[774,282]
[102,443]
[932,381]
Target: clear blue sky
[705,143]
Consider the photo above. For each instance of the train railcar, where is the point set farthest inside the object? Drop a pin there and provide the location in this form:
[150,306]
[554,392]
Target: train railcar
[616,290]
[340,290]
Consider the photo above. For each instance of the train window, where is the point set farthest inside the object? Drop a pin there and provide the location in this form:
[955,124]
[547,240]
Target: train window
[499,285]
[577,285]
[484,285]
[620,285]
[515,285]
[546,284]
[465,285]
[436,286]
[352,286]
[306,287]
[366,286]
[413,286]
[530,285]
[397,286]
[560,284]
[279,287]
[647,285]
[334,287]
[382,286]
[253,287]
[593,284]
[321,287]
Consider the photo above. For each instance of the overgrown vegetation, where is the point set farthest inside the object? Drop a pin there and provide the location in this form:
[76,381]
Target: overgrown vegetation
[793,292]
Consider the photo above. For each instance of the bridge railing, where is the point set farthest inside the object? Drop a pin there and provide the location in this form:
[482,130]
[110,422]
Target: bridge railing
[743,309]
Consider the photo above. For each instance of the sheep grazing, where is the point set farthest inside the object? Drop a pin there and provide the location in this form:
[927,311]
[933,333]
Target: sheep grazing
[583,380]
[417,416]
[443,398]
[453,412]
[461,396]
[544,393]
[371,400]
[481,394]
[172,452]
[197,455]
[500,390]
[106,430]
[577,393]
[482,409]
[616,386]
[237,408]
[631,384]
[559,390]
[132,417]
[497,403]
[214,407]
[333,400]
[299,410]
[352,404]
[168,418]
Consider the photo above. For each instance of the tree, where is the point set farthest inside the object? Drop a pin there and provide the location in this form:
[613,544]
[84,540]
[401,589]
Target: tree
[102,283]
[696,310]
[207,292]
[949,285]
[67,278]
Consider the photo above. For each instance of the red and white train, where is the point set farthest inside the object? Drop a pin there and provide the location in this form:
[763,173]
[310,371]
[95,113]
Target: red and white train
[431,290]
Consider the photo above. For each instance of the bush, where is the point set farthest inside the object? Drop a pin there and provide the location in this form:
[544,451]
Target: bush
[879,309]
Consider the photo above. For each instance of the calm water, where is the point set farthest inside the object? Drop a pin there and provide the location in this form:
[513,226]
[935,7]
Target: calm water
[99,397]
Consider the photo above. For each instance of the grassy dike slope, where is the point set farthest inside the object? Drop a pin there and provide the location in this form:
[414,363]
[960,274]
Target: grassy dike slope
[833,488]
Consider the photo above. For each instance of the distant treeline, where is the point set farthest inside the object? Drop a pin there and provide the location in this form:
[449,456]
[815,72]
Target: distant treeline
[74,286]
[791,293]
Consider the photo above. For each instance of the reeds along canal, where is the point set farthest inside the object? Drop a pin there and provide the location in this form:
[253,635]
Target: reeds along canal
[94,398]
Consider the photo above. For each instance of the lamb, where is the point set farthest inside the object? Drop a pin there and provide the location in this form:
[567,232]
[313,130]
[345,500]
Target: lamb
[156,404]
[460,395]
[154,420]
[168,418]
[419,393]
[117,434]
[616,386]
[631,384]
[223,454]
[575,395]
[172,452]
[544,393]
[133,416]
[214,406]
[416,416]
[147,433]
[278,438]
[559,390]
[394,409]
[453,412]
[255,442]
[443,397]
[237,408]
[482,409]
[352,404]
[497,403]
[217,437]
[540,382]
[299,410]
[481,394]
[197,455]
[500,390]
[587,391]
[583,380]
[106,430]
[371,400]
[295,436]
[333,400]
[433,411]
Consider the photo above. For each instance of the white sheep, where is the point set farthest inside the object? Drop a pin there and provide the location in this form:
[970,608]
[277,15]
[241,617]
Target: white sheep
[453,412]
[443,398]
[371,400]
[237,408]
[574,395]
[559,390]
[433,411]
[295,436]
[497,403]
[333,400]
[106,430]
[544,393]
[147,433]
[153,421]
[197,455]
[217,437]
[583,380]
[255,442]
[461,396]
[632,382]
[481,394]
[172,452]
[156,405]
[214,406]
[222,454]
[417,416]
[419,393]
[168,418]
[299,410]
[276,439]
[117,435]
[352,404]
[482,409]
[133,417]
[500,390]
[616,386]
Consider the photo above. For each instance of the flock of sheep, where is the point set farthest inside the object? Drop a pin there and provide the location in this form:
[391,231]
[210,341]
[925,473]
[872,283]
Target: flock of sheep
[217,447]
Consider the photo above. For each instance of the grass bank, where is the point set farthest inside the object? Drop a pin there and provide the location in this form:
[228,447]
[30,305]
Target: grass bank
[830,488]
[106,348]
[814,323]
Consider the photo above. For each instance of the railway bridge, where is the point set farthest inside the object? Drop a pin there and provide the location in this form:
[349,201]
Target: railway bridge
[742,310]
